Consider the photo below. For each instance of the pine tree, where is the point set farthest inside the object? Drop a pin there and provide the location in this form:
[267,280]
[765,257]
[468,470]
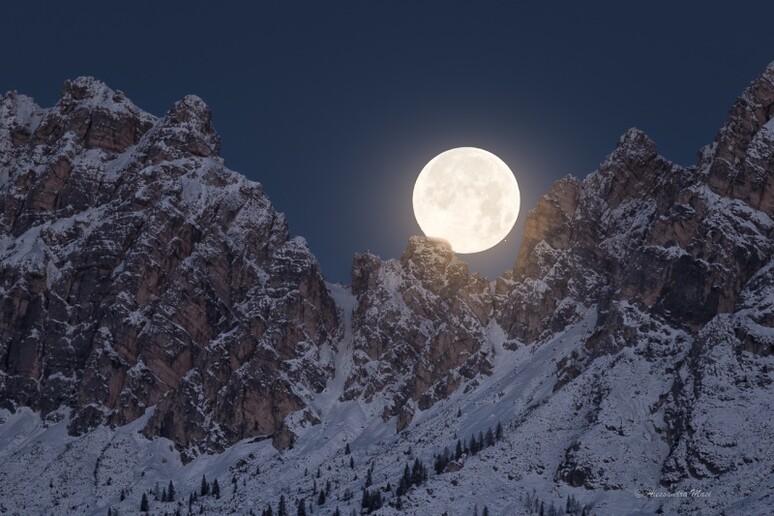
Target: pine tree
[473,445]
[301,508]
[458,450]
[164,495]
[171,495]
[490,440]
[459,412]
[144,503]
[352,462]
[216,489]
[319,474]
[485,512]
[281,508]
[321,498]
[377,499]
[371,501]
[405,482]
[499,431]
[337,512]
[122,497]
[347,451]
[268,511]
[418,473]
[369,479]
[205,487]
[441,460]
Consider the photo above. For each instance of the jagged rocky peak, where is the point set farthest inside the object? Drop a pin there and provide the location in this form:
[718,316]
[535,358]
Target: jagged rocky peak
[19,116]
[548,222]
[740,158]
[419,327]
[679,242]
[632,171]
[187,128]
[136,271]
[88,91]
[92,114]
[634,149]
[433,263]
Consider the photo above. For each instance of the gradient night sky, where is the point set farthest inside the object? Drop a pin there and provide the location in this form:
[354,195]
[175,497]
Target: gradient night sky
[335,107]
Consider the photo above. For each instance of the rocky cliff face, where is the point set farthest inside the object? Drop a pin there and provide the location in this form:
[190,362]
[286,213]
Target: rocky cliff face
[136,270]
[419,328]
[675,262]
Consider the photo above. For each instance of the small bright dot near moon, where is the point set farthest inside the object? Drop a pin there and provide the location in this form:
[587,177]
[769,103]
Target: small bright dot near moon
[467,196]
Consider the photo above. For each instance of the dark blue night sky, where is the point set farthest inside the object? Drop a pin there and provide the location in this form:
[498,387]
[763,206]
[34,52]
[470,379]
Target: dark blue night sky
[335,107]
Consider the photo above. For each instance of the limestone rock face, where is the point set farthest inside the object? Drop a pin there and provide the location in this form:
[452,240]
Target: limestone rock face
[638,229]
[419,328]
[671,266]
[740,159]
[136,270]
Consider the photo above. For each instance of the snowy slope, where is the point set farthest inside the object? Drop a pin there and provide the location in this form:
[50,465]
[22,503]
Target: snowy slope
[539,424]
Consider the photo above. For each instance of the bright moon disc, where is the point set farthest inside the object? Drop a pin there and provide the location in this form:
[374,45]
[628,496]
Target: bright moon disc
[467,196]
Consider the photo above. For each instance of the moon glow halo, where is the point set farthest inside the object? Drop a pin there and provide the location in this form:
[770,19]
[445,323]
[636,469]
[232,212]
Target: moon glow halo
[467,196]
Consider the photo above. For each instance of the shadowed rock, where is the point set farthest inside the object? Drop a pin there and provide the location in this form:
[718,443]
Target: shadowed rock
[137,271]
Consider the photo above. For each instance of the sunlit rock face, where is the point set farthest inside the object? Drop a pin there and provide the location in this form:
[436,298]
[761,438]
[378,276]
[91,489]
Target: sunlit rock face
[419,328]
[136,270]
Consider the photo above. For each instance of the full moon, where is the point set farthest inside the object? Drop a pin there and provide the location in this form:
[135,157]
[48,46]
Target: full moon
[467,196]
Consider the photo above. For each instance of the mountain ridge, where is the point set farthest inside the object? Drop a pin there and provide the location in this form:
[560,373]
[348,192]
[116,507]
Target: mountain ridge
[627,351]
[132,229]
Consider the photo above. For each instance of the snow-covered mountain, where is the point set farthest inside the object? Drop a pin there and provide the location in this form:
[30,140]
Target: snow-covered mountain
[159,326]
[136,271]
